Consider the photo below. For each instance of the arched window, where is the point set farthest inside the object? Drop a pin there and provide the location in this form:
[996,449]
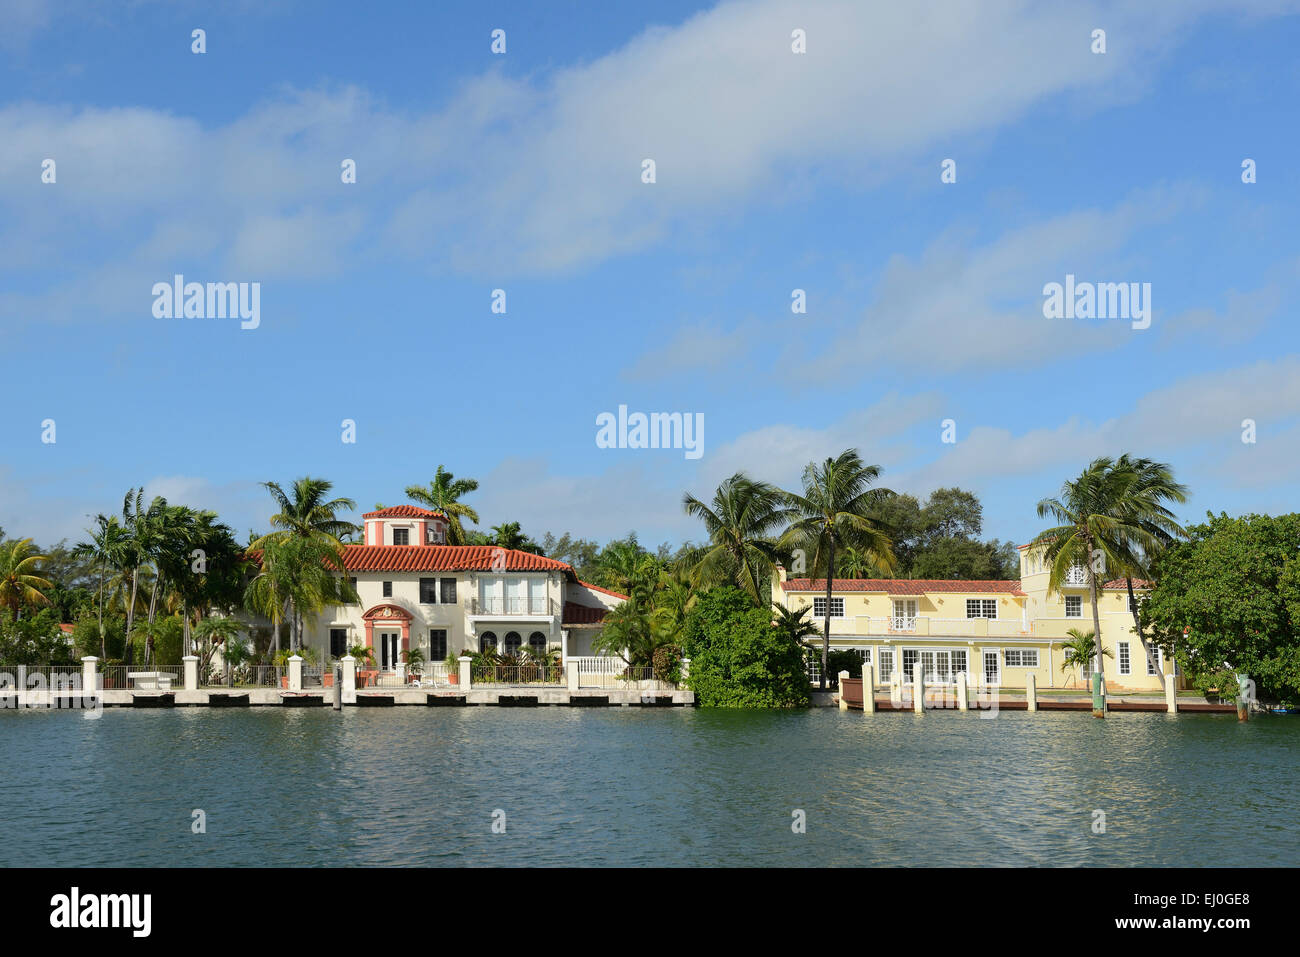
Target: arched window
[487,640]
[513,641]
[537,642]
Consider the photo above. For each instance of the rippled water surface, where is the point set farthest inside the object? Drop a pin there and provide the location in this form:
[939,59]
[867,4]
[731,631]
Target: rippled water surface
[626,786]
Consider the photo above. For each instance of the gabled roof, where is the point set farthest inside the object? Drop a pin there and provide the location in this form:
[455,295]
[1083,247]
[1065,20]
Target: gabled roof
[405,511]
[604,591]
[438,558]
[904,586]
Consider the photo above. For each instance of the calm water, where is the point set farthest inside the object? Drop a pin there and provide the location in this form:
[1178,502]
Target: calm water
[634,787]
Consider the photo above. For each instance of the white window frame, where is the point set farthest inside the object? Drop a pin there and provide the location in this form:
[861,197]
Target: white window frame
[985,604]
[997,659]
[1077,601]
[885,654]
[904,618]
[1154,659]
[1020,654]
[1123,658]
[835,603]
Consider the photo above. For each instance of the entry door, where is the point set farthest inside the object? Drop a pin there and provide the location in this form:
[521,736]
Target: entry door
[992,671]
[389,643]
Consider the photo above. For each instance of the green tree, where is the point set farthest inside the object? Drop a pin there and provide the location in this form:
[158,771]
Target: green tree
[1081,649]
[740,522]
[20,581]
[1094,532]
[738,659]
[444,494]
[510,535]
[1234,585]
[838,508]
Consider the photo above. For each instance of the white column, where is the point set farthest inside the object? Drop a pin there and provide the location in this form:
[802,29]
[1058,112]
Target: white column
[571,675]
[401,672]
[349,692]
[192,672]
[1171,696]
[464,661]
[686,668]
[1031,692]
[295,673]
[564,646]
[918,687]
[89,679]
[868,688]
[843,676]
[963,697]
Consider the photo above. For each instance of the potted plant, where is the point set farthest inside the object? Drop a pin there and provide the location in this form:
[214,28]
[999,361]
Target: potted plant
[414,661]
[365,660]
[453,668]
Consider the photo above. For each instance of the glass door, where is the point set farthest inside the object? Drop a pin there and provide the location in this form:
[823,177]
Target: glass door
[992,670]
[389,643]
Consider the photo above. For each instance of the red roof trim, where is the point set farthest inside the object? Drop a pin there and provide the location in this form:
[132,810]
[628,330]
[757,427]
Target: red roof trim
[434,558]
[604,591]
[405,511]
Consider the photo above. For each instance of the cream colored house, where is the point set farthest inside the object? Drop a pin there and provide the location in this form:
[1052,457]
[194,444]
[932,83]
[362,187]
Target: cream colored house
[998,632]
[418,592]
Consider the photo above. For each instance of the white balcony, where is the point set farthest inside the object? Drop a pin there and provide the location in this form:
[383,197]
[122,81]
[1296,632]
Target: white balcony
[510,607]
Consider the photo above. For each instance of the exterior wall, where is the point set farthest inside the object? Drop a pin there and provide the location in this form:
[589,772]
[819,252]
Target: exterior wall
[1035,621]
[463,631]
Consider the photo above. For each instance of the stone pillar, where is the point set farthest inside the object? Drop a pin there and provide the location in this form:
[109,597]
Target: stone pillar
[349,664]
[295,673]
[564,646]
[1031,693]
[868,688]
[843,676]
[1171,696]
[963,697]
[686,668]
[89,678]
[895,689]
[464,661]
[400,668]
[1243,700]
[918,688]
[571,675]
[191,672]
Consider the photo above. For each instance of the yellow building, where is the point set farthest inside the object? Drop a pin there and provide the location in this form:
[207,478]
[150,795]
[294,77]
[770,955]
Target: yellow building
[996,631]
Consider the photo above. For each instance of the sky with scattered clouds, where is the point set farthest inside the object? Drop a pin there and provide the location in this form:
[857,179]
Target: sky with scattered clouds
[775,171]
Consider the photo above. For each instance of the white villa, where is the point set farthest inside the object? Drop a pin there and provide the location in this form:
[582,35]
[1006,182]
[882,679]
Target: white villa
[418,592]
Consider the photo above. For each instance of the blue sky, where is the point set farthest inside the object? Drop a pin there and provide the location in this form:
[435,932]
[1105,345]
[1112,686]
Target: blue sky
[521,171]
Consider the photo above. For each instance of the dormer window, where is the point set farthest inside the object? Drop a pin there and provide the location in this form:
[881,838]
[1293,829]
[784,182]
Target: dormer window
[434,535]
[401,536]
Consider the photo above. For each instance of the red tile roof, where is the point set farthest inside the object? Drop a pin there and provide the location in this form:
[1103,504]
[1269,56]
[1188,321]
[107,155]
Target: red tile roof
[904,586]
[602,590]
[575,614]
[405,511]
[1120,583]
[437,558]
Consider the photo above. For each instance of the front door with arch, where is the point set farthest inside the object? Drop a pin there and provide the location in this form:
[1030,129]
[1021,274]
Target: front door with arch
[390,649]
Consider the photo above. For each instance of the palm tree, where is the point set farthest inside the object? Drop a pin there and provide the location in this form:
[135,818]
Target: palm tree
[1081,649]
[1144,488]
[837,509]
[307,553]
[740,522]
[857,563]
[624,566]
[307,513]
[216,632]
[443,494]
[19,582]
[1095,533]
[105,548]
[794,624]
[510,535]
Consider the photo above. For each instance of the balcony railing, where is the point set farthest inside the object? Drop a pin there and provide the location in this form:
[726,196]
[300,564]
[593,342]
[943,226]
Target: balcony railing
[1077,575]
[511,606]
